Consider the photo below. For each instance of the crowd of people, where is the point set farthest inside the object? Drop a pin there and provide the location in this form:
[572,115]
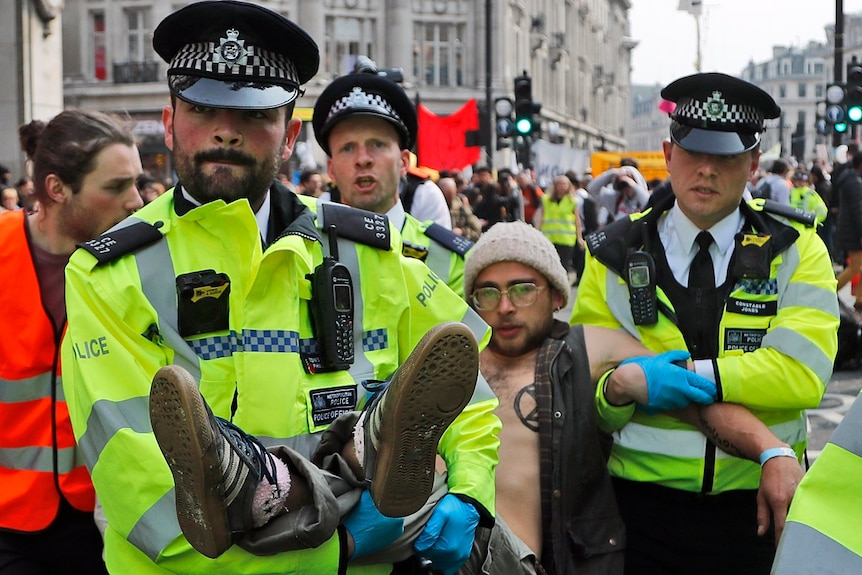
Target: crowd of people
[366,371]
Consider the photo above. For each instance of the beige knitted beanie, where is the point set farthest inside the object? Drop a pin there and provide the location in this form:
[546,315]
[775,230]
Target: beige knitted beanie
[516,242]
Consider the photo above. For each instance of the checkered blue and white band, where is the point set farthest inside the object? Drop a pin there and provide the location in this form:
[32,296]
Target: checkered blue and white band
[359,99]
[233,60]
[716,113]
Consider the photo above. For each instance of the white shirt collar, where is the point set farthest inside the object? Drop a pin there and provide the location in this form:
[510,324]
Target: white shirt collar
[723,232]
[396,215]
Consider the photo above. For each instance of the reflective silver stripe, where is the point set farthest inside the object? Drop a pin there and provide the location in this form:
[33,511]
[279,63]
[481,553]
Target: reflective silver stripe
[618,302]
[39,459]
[157,527]
[107,418]
[439,260]
[794,344]
[154,265]
[848,435]
[362,367]
[809,296]
[804,550]
[28,389]
[691,444]
[477,325]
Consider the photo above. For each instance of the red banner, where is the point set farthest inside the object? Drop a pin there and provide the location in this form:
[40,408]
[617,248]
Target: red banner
[442,141]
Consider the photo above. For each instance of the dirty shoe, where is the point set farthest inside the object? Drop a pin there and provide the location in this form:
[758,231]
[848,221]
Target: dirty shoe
[216,466]
[400,429]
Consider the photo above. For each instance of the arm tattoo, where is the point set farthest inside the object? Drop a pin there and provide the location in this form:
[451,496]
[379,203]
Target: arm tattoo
[526,407]
[722,443]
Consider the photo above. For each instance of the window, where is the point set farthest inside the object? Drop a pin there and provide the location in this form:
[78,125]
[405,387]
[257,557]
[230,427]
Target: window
[782,91]
[138,34]
[347,38]
[802,89]
[438,55]
[100,50]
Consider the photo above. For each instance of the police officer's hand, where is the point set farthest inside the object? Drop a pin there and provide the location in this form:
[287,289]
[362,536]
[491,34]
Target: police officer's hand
[669,386]
[369,529]
[778,481]
[448,536]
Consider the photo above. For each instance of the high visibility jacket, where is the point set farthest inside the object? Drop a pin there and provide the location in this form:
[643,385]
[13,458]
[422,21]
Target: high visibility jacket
[441,249]
[559,220]
[806,198]
[776,345]
[252,370]
[40,463]
[822,532]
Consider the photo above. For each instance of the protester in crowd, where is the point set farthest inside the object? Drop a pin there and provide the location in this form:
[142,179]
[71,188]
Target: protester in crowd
[310,183]
[218,297]
[776,184]
[366,111]
[149,188]
[823,186]
[531,194]
[631,197]
[848,235]
[749,295]
[84,166]
[604,190]
[9,198]
[464,221]
[588,214]
[558,219]
[421,198]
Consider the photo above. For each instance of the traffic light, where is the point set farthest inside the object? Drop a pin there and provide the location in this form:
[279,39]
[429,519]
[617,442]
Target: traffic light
[836,107]
[853,97]
[524,105]
[505,124]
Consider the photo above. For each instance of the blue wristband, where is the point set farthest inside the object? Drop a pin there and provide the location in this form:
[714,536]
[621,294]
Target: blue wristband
[777,452]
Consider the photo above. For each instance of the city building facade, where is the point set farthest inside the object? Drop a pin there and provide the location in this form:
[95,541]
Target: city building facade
[576,51]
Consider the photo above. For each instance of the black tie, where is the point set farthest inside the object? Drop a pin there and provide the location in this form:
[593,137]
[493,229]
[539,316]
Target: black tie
[701,274]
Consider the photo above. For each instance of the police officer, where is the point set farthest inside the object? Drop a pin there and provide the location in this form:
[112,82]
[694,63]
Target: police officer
[751,295]
[367,124]
[218,276]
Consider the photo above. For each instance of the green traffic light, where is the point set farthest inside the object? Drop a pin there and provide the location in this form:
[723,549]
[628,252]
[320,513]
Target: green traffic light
[854,113]
[840,128]
[523,126]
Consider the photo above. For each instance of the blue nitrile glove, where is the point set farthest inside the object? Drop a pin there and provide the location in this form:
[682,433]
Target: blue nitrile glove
[370,529]
[448,536]
[671,386]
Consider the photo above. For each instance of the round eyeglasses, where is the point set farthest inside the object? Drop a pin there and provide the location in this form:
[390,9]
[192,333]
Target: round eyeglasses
[521,295]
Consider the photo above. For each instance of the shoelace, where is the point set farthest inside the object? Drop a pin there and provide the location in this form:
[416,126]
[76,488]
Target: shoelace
[249,449]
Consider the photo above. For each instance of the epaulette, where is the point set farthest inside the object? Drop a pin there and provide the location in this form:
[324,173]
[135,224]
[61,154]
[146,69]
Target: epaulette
[449,239]
[805,217]
[360,226]
[118,242]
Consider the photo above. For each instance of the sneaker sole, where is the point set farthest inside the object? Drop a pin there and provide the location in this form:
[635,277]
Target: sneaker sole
[182,428]
[430,389]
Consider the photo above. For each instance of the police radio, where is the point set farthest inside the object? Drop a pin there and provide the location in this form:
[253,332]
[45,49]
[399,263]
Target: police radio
[640,277]
[332,310]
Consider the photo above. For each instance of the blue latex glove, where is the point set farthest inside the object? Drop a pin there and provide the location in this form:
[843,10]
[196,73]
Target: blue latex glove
[448,536]
[370,529]
[671,386]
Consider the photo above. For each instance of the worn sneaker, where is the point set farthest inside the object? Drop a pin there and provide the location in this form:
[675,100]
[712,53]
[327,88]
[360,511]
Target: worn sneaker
[401,426]
[216,466]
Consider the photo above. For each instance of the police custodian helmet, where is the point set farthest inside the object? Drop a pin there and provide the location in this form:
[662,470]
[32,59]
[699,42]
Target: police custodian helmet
[364,94]
[231,54]
[718,114]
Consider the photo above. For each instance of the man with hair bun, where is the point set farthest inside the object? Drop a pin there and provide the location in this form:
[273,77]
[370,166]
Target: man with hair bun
[84,167]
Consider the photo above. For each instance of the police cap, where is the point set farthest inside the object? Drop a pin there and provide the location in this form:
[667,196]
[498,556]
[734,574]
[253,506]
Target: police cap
[231,54]
[364,94]
[718,114]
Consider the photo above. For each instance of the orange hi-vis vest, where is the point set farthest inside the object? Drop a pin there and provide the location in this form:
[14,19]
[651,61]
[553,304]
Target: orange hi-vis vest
[38,461]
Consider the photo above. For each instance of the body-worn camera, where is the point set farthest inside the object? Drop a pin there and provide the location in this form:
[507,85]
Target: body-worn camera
[203,302]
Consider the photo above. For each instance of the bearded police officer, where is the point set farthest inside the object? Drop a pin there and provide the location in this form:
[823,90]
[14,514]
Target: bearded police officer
[751,295]
[230,284]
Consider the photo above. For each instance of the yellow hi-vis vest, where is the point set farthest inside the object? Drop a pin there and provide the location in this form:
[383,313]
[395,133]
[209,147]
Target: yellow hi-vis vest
[559,220]
[822,534]
[253,372]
